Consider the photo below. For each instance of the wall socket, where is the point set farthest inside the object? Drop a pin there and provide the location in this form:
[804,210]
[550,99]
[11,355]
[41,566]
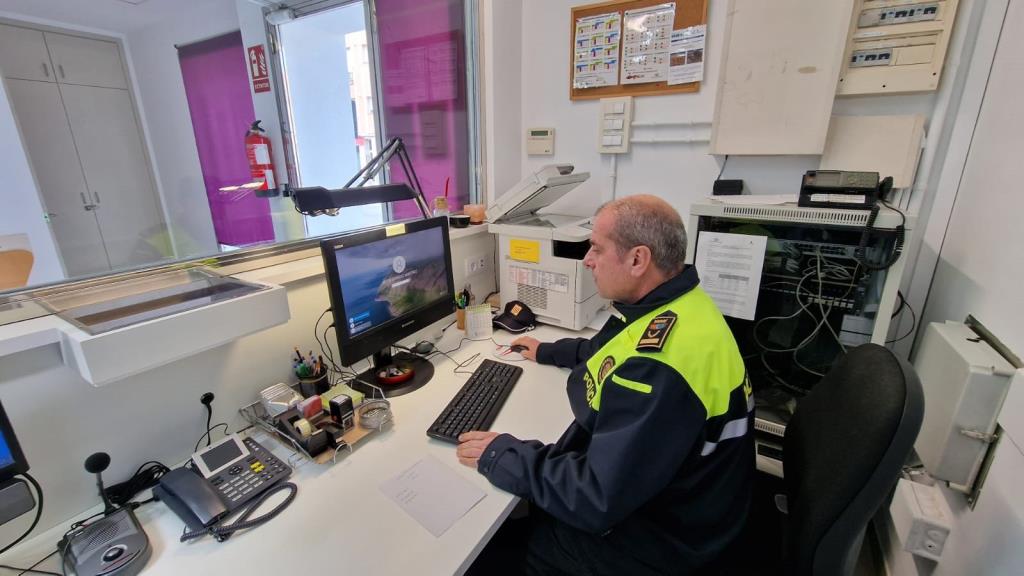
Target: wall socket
[477,265]
[921,517]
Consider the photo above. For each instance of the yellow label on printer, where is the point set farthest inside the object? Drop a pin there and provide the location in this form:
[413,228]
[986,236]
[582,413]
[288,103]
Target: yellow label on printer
[524,250]
[394,230]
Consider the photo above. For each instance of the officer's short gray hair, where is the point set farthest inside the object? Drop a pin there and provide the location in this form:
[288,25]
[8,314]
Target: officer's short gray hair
[645,220]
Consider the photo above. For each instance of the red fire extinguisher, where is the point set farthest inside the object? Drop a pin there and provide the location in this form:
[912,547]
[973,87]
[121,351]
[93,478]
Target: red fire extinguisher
[257,150]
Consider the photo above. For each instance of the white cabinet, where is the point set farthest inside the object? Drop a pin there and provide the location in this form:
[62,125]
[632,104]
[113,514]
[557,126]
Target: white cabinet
[117,173]
[51,149]
[23,54]
[86,61]
[83,138]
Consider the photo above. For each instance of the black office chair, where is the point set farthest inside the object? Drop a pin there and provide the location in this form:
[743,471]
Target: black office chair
[843,451]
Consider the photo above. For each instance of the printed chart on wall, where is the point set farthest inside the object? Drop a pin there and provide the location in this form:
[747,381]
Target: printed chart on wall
[645,44]
[686,55]
[597,51]
[637,48]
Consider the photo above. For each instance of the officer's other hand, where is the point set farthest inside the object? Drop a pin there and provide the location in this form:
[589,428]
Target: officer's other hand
[471,445]
[528,347]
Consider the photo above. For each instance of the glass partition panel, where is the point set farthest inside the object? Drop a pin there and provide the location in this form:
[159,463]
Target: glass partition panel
[126,147]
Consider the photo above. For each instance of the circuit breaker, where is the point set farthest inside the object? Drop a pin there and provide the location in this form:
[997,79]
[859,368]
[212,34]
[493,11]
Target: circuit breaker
[896,46]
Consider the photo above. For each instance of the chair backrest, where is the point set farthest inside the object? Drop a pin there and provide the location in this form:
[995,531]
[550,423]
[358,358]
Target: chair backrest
[843,451]
[15,267]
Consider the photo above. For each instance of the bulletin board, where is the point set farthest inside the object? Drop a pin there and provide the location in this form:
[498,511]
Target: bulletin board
[687,13]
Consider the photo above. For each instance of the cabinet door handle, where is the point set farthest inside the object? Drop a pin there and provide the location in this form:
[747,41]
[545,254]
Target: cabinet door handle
[60,67]
[82,194]
[46,70]
[90,207]
[96,195]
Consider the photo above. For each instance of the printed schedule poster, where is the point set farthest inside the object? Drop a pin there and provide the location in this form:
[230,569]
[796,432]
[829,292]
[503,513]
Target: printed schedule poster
[646,42]
[686,61]
[596,61]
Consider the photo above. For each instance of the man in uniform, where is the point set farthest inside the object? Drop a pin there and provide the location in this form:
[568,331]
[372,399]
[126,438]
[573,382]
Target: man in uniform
[654,474]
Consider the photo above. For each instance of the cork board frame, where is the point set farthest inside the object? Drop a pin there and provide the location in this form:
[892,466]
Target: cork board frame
[688,13]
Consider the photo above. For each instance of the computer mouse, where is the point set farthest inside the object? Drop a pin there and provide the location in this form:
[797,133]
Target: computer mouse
[508,353]
[517,347]
[423,348]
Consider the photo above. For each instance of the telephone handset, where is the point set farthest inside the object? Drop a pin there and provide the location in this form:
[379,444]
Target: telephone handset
[232,474]
[884,187]
[191,497]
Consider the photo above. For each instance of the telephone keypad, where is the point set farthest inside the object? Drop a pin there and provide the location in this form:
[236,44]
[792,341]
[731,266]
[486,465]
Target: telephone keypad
[250,477]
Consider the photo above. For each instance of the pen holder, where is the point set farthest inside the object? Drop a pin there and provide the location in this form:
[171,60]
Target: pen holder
[460,318]
[315,385]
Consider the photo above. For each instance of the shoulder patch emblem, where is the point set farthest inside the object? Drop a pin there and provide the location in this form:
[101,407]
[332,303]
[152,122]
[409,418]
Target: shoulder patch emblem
[606,367]
[656,332]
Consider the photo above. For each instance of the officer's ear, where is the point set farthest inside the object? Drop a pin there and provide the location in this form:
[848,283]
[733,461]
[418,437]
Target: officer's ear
[640,260]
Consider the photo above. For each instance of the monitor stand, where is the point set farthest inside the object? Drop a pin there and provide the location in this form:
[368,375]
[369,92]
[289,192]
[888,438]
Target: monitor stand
[407,372]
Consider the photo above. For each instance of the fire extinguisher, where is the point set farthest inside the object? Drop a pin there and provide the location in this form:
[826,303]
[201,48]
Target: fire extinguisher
[257,150]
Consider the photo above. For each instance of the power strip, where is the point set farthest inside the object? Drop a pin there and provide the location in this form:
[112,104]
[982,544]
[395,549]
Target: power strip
[921,517]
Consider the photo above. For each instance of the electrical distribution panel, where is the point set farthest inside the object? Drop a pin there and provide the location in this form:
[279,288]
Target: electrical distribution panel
[896,46]
[965,383]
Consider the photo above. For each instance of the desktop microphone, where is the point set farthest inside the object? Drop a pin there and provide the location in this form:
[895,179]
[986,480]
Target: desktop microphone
[115,545]
[96,464]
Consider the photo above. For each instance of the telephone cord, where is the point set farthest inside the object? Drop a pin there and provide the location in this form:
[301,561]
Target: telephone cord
[223,532]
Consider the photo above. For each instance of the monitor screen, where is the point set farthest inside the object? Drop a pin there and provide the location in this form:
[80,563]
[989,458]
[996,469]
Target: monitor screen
[12,460]
[387,283]
[390,278]
[6,458]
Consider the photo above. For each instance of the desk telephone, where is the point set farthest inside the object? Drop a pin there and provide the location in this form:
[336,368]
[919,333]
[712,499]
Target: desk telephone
[226,477]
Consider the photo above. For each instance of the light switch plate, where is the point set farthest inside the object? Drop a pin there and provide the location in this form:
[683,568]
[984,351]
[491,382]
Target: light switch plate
[614,125]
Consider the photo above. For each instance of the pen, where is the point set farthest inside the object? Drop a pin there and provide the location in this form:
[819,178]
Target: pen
[298,354]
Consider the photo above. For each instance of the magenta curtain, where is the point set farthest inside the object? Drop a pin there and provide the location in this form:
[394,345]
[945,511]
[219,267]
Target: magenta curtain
[424,94]
[219,100]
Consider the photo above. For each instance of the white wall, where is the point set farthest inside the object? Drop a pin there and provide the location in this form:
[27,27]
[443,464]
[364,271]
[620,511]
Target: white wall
[980,271]
[501,100]
[681,173]
[22,211]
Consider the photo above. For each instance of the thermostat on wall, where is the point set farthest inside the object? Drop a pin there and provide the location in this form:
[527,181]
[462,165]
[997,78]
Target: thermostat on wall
[540,141]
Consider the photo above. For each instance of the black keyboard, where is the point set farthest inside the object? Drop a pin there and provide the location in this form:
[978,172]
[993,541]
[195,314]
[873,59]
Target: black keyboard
[478,402]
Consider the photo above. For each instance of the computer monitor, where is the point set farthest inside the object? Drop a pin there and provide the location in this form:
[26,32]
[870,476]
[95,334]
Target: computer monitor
[12,461]
[385,284]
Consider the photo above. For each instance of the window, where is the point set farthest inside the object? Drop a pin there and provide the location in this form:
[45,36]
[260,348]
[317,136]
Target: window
[417,91]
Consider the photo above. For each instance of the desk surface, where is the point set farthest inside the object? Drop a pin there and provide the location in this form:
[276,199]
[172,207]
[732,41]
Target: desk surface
[340,518]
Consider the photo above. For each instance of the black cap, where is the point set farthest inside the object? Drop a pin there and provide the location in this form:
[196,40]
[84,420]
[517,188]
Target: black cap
[517,317]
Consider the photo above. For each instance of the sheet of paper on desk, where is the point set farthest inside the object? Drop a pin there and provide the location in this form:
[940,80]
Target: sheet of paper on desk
[432,493]
[730,266]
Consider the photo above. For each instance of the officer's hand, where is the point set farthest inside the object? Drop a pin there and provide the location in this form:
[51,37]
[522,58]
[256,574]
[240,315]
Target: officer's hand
[471,445]
[528,347]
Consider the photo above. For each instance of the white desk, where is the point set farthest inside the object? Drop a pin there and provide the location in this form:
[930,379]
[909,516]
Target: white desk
[340,521]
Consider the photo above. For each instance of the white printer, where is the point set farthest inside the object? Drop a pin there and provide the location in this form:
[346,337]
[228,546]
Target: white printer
[541,255]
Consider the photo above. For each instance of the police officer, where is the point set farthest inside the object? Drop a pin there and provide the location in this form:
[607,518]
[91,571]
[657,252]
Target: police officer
[654,474]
